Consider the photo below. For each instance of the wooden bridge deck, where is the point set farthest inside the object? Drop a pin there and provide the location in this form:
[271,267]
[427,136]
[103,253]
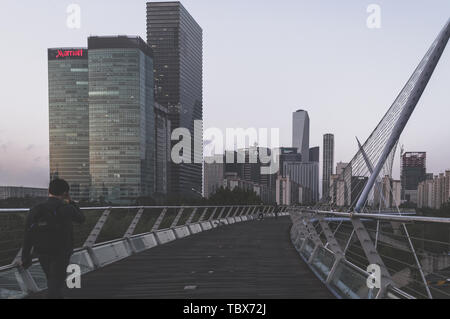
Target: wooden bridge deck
[245,260]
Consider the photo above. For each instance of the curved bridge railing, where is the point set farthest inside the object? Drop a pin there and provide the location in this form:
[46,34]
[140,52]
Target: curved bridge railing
[111,234]
[368,256]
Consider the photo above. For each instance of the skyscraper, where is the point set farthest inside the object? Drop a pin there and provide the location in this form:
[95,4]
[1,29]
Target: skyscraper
[300,136]
[69,118]
[413,171]
[328,163]
[177,43]
[121,118]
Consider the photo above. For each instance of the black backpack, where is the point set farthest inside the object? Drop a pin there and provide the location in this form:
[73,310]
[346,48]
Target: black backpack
[47,231]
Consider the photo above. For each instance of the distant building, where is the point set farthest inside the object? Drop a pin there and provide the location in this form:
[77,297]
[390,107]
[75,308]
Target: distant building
[288,154]
[413,171]
[358,183]
[387,193]
[232,181]
[247,164]
[68,106]
[396,199]
[288,192]
[340,167]
[433,193]
[332,190]
[121,118]
[300,134]
[305,175]
[177,43]
[214,175]
[22,192]
[314,154]
[328,163]
[344,187]
[425,194]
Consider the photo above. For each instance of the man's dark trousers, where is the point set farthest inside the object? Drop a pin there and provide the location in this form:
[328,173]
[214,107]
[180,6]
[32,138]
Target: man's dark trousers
[55,268]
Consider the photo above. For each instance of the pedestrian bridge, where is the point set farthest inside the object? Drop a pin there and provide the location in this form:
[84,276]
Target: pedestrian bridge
[189,252]
[227,252]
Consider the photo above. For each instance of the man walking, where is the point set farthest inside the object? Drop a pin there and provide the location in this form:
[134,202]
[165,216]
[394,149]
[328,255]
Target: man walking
[49,235]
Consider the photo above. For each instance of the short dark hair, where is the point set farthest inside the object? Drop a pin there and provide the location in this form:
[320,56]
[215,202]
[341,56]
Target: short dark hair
[58,187]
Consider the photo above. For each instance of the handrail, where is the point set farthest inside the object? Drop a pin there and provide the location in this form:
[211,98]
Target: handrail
[320,238]
[384,217]
[25,210]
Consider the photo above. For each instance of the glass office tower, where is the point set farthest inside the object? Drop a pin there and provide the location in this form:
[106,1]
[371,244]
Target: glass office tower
[121,118]
[328,163]
[69,118]
[177,42]
[300,133]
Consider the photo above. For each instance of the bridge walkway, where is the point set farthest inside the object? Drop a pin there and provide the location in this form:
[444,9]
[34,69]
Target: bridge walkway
[253,259]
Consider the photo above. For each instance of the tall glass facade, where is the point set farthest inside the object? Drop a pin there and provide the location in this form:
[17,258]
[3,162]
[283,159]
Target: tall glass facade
[69,118]
[121,118]
[162,157]
[300,133]
[177,43]
[328,163]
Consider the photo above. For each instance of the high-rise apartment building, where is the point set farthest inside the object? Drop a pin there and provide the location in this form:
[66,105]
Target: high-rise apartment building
[69,118]
[177,43]
[328,163]
[413,171]
[434,192]
[300,133]
[121,118]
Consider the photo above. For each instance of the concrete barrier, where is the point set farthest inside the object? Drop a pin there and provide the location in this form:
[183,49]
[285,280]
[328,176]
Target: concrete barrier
[224,221]
[181,232]
[109,253]
[231,220]
[205,225]
[195,228]
[165,236]
[244,218]
[238,219]
[215,223]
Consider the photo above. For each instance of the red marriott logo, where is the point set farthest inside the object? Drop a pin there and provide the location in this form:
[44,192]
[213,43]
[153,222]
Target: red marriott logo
[69,53]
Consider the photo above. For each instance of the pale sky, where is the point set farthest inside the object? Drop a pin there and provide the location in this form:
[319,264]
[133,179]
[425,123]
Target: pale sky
[263,60]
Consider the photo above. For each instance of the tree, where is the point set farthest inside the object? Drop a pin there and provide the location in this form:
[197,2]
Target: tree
[237,196]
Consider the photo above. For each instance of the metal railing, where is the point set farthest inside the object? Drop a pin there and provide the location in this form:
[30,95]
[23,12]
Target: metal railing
[412,253]
[111,234]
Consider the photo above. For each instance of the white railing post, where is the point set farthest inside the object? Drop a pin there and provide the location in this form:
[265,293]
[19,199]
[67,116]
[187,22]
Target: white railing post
[177,218]
[92,238]
[159,220]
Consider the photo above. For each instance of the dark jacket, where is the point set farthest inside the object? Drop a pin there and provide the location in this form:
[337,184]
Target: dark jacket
[67,214]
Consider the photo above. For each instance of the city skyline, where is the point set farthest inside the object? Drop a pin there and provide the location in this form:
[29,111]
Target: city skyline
[24,157]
